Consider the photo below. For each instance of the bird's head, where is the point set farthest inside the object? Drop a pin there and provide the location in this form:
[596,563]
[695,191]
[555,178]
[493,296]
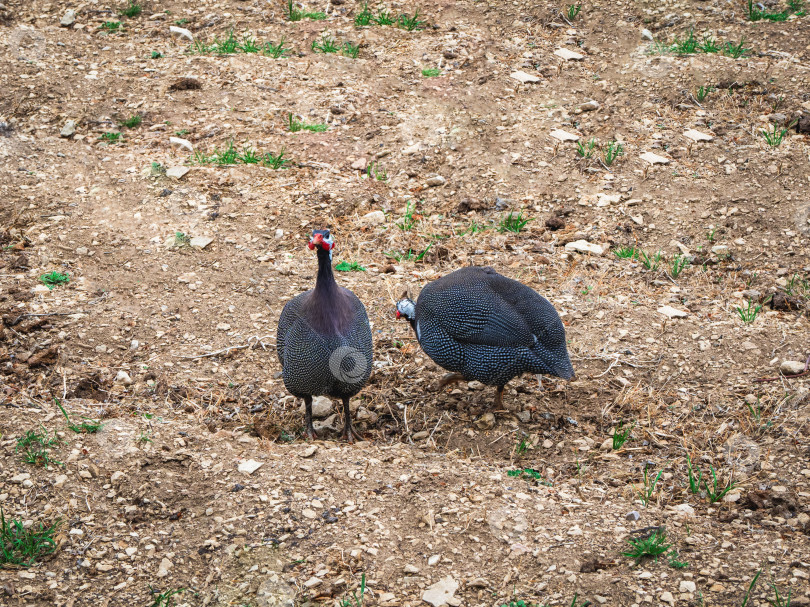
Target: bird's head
[406,308]
[321,239]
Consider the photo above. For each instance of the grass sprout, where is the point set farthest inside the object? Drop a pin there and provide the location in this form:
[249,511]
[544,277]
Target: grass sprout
[748,314]
[374,171]
[650,262]
[364,17]
[679,264]
[132,10]
[383,17]
[326,44]
[648,489]
[111,26]
[21,546]
[586,150]
[408,221]
[409,23]
[612,151]
[513,222]
[573,11]
[621,434]
[530,473]
[349,266]
[296,125]
[751,586]
[276,51]
[702,93]
[354,600]
[164,599]
[431,72]
[651,546]
[715,493]
[54,279]
[776,135]
[88,426]
[132,122]
[626,252]
[296,14]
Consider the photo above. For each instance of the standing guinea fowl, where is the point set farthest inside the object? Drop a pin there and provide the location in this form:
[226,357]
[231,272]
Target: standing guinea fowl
[324,340]
[486,327]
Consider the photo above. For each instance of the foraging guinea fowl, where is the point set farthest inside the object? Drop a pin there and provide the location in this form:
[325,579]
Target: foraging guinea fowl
[324,340]
[487,327]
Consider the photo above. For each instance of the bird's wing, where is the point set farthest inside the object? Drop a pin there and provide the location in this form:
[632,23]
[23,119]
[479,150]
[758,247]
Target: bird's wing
[483,317]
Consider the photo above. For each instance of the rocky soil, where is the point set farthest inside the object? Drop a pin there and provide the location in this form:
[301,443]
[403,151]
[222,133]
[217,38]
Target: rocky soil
[178,266]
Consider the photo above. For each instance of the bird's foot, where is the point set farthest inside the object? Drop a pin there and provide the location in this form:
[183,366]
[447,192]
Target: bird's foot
[449,379]
[350,435]
[310,435]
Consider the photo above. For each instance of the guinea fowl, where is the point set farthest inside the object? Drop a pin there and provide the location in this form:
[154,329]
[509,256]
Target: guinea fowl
[324,340]
[487,327]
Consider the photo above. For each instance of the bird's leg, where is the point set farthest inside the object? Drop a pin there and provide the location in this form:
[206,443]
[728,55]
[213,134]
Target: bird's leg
[349,433]
[499,397]
[449,379]
[310,431]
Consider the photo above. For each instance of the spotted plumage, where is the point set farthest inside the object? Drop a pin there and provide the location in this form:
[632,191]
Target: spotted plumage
[487,327]
[324,340]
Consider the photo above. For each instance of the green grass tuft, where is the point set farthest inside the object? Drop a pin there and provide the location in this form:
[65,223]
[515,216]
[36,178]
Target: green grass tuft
[296,125]
[349,266]
[276,51]
[132,122]
[513,223]
[88,426]
[326,44]
[748,314]
[621,434]
[164,599]
[132,10]
[431,72]
[22,547]
[296,14]
[54,279]
[651,546]
[410,23]
[111,26]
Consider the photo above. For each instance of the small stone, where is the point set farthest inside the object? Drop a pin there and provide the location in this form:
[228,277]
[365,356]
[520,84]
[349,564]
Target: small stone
[200,242]
[116,476]
[791,367]
[568,55]
[433,560]
[69,129]
[123,378]
[249,466]
[671,312]
[697,135]
[312,582]
[524,77]
[583,246]
[633,516]
[308,513]
[223,326]
[184,144]
[360,165]
[177,172]
[19,478]
[411,569]
[666,597]
[563,135]
[684,509]
[654,158]
[485,422]
[375,218]
[165,565]
[82,251]
[69,18]
[720,249]
[435,181]
[589,106]
[412,149]
[321,407]
[647,35]
[687,586]
[555,222]
[181,32]
[803,518]
[308,451]
[279,233]
[441,592]
[575,530]
[607,445]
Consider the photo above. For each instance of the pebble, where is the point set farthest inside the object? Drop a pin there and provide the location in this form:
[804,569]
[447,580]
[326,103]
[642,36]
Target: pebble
[791,367]
[687,586]
[589,106]
[647,35]
[568,55]
[116,476]
[435,181]
[720,249]
[19,478]
[69,129]
[360,164]
[433,560]
[279,233]
[165,565]
[312,582]
[564,135]
[308,451]
[177,172]
[321,407]
[666,597]
[307,513]
[123,378]
[697,135]
[249,466]
[524,77]
[633,515]
[200,242]
[184,144]
[575,530]
[69,18]
[412,569]
[441,592]
[181,31]
[583,246]
[654,158]
[671,312]
[374,218]
[485,422]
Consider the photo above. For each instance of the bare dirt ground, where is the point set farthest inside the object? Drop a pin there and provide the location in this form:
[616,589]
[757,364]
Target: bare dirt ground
[170,344]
